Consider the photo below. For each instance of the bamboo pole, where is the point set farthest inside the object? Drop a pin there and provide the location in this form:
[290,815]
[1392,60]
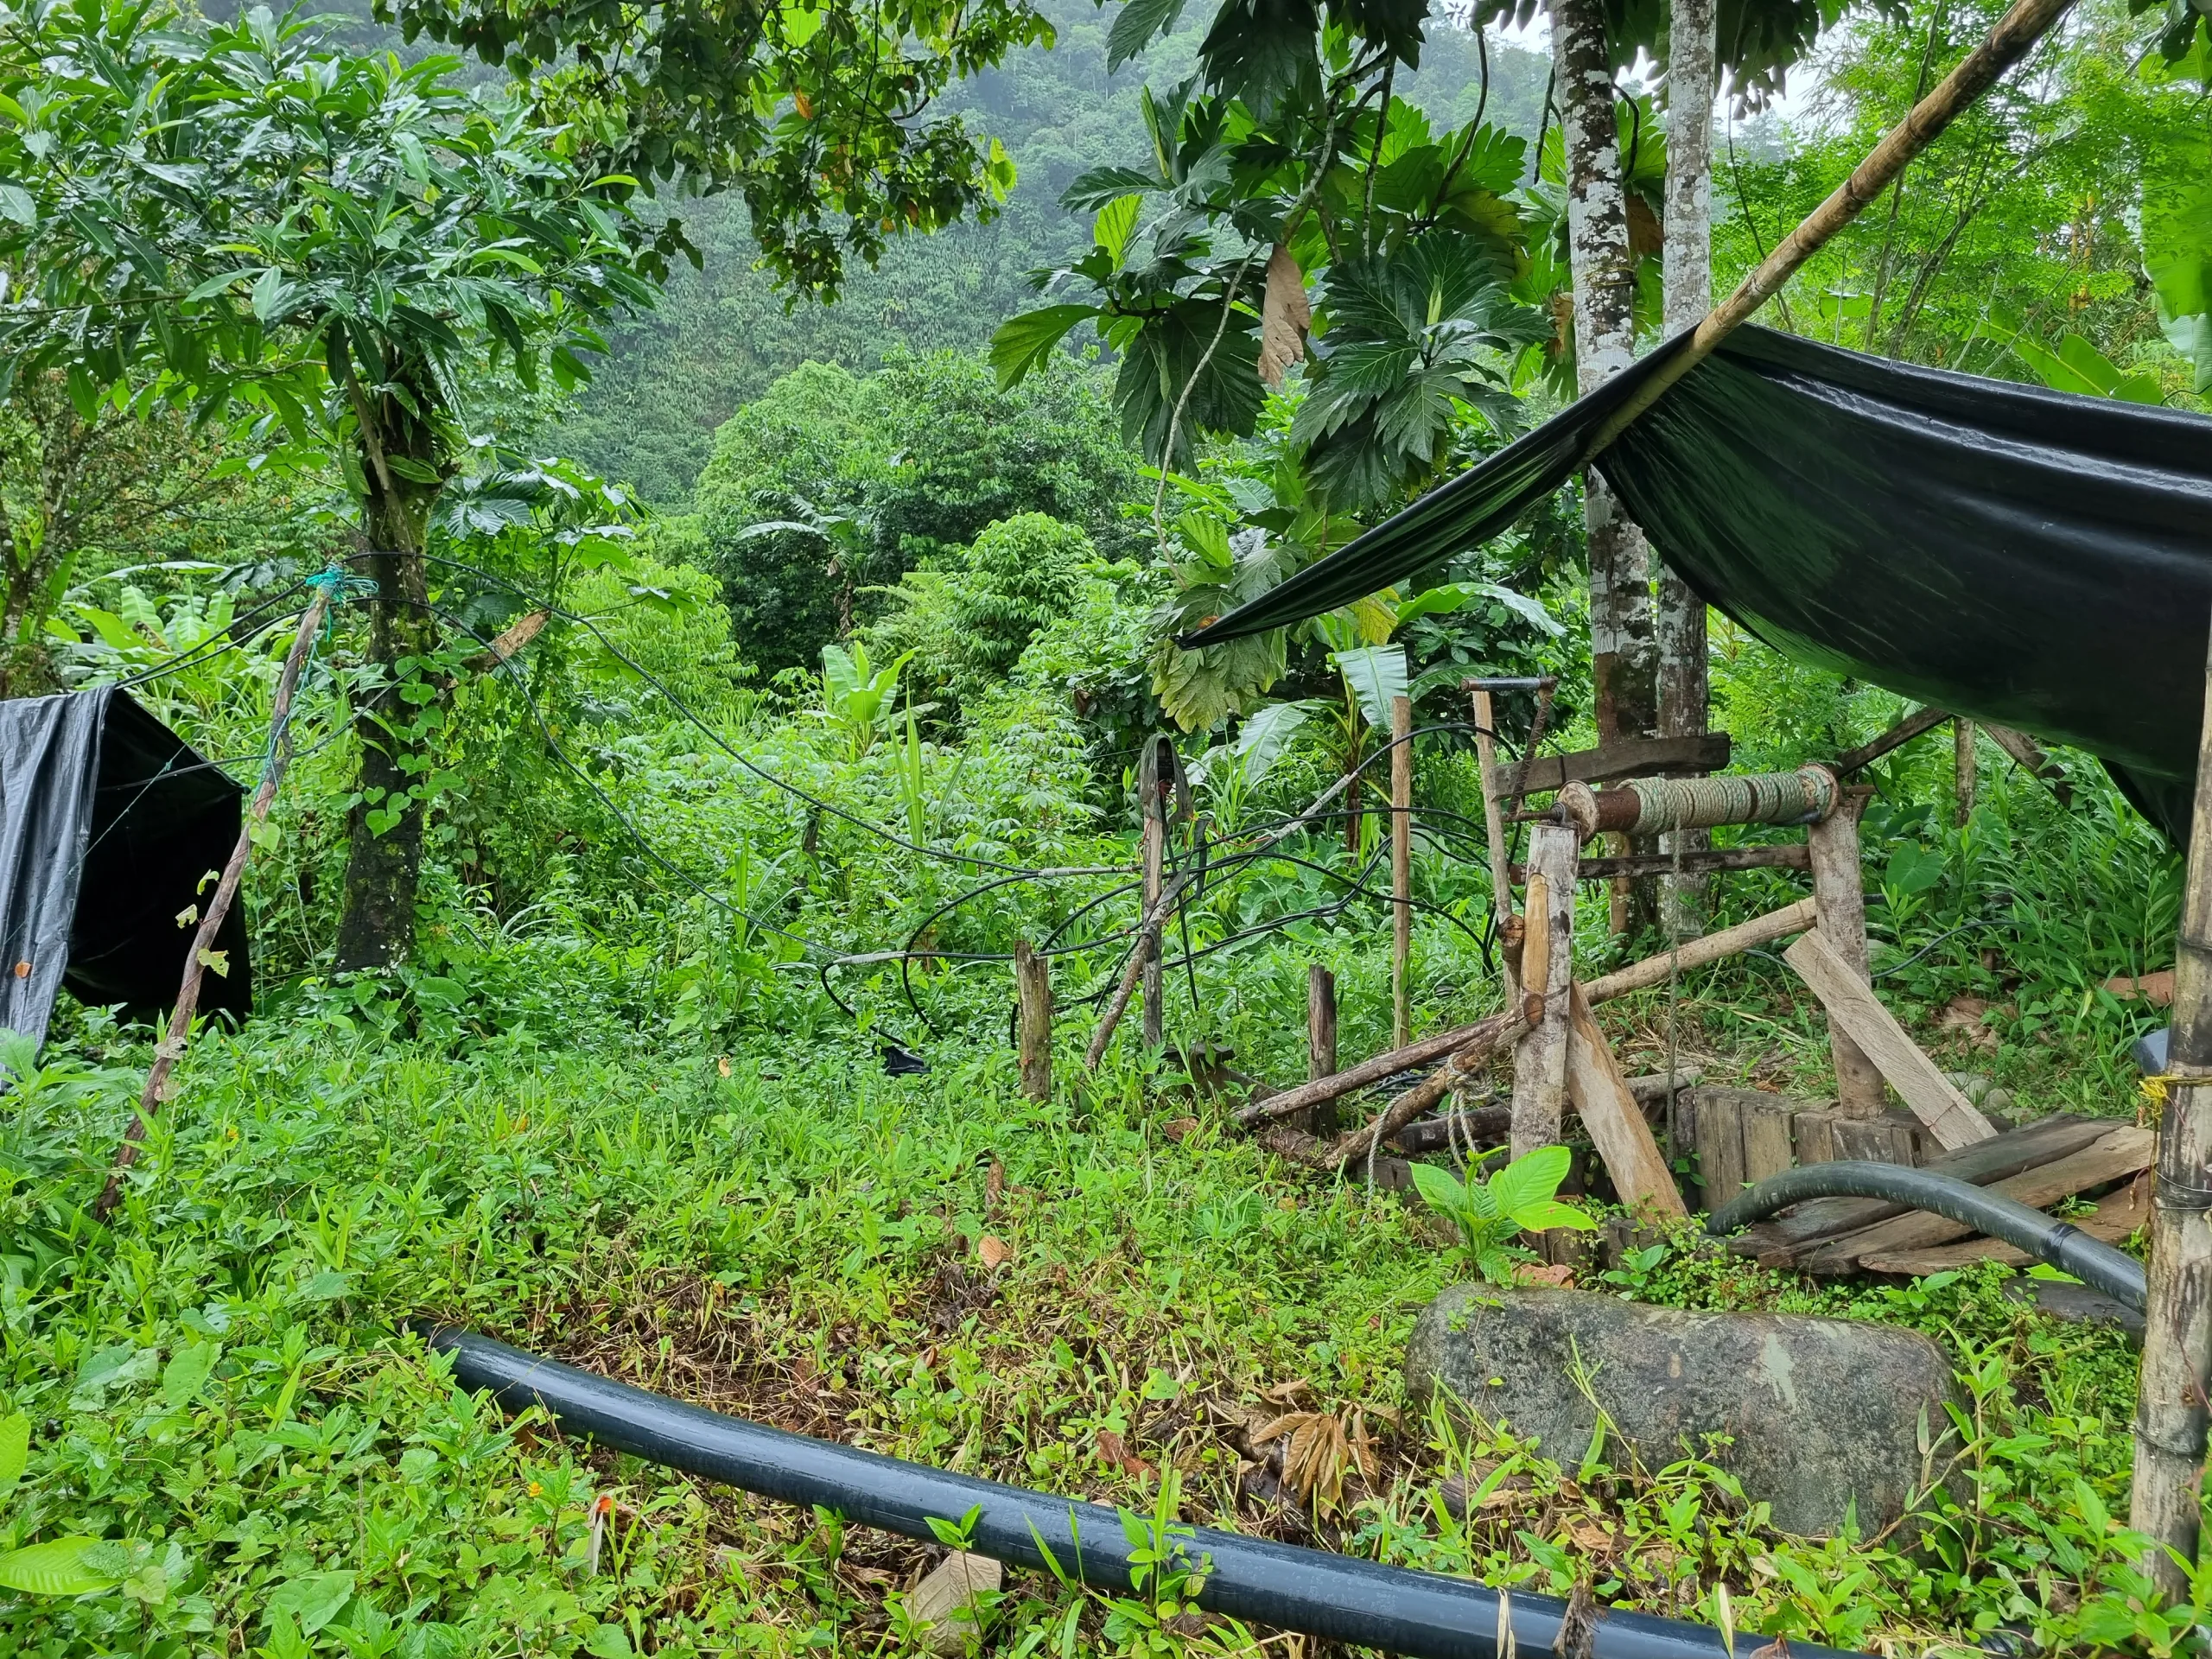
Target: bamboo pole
[1401,870]
[219,907]
[2016,32]
[2169,1406]
[1032,981]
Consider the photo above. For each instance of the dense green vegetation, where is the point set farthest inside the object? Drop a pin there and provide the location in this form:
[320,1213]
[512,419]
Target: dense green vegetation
[632,929]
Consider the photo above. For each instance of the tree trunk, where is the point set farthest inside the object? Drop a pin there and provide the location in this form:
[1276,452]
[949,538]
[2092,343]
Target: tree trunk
[1683,689]
[1604,341]
[383,860]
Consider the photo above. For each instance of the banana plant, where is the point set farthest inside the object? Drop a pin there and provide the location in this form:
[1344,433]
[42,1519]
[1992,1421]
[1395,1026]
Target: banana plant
[855,694]
[61,1566]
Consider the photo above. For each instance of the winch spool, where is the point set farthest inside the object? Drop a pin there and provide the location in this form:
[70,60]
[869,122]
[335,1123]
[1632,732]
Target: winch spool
[1652,805]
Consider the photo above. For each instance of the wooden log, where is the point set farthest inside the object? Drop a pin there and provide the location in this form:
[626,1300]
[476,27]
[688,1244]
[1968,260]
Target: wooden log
[1839,891]
[1320,1023]
[1427,1050]
[1812,1134]
[1614,1120]
[1423,1095]
[1653,1089]
[1852,1003]
[1501,852]
[1769,1147]
[1548,972]
[1032,986]
[1401,869]
[1922,720]
[2119,1216]
[2171,1408]
[1720,1145]
[1636,757]
[2114,1156]
[1391,1174]
[1964,774]
[1702,953]
[1874,1141]
[1480,1125]
[1774,1243]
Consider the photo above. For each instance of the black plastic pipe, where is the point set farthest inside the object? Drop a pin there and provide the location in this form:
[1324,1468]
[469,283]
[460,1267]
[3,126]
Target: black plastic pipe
[2066,1247]
[1339,1598]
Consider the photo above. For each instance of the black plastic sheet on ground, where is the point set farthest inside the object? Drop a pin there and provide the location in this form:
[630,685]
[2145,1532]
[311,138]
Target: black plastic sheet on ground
[2027,558]
[109,824]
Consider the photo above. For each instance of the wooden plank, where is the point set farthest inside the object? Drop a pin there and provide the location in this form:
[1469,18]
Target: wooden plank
[1681,1146]
[1853,1006]
[2118,1216]
[1926,720]
[1701,953]
[2114,1156]
[1600,1093]
[1033,980]
[1640,757]
[1774,1243]
[1548,974]
[1720,1144]
[1813,1135]
[1768,1149]
[1839,888]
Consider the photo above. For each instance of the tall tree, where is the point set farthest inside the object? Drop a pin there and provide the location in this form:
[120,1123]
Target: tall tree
[335,243]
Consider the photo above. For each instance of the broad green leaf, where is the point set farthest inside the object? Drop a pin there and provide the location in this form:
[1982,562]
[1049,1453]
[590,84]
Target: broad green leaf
[15,204]
[1133,29]
[1266,733]
[1542,1217]
[58,1568]
[1442,1190]
[1019,344]
[15,1450]
[609,1641]
[1116,224]
[188,1372]
[1376,675]
[314,1598]
[1531,1179]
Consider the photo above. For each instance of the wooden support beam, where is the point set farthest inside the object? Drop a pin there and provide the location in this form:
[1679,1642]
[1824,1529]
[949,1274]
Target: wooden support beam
[1032,985]
[1965,773]
[1636,757]
[1616,1123]
[2170,1407]
[1851,1002]
[1790,855]
[1922,720]
[1548,974]
[1501,853]
[2029,754]
[1839,889]
[1701,953]
[1320,1023]
[1401,870]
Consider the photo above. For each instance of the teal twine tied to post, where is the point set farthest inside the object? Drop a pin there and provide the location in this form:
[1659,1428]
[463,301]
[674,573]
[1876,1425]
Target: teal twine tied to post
[337,586]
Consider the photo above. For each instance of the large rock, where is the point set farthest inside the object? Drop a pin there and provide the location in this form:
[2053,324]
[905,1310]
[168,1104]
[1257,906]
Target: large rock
[1823,1412]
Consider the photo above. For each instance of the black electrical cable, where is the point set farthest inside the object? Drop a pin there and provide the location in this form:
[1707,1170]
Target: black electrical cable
[2062,1244]
[944,855]
[1340,1598]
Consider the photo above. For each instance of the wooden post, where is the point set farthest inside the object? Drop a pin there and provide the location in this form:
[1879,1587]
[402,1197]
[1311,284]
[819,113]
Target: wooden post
[1155,858]
[1033,984]
[2170,1404]
[1962,769]
[1547,969]
[1501,855]
[218,905]
[1839,894]
[1320,1023]
[1401,869]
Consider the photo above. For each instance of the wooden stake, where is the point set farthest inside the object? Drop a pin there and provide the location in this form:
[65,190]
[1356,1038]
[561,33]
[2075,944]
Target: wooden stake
[1839,891]
[1401,869]
[1155,858]
[2170,1403]
[1032,985]
[1501,855]
[1616,1122]
[219,907]
[1320,1023]
[1962,770]
[2016,32]
[1547,967]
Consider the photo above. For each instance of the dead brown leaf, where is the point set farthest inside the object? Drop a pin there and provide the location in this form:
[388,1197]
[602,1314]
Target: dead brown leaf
[2156,990]
[1777,1649]
[1115,1450]
[1963,1015]
[1589,1537]
[1544,1273]
[1285,317]
[1284,1393]
[995,1252]
[1175,1128]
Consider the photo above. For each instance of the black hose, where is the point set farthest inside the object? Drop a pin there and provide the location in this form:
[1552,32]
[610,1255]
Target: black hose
[1339,1598]
[2064,1246]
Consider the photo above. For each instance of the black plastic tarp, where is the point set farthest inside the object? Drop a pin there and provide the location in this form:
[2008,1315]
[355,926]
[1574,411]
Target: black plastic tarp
[109,823]
[2028,557]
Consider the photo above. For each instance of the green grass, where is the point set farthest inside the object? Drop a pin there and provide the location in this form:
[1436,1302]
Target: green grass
[801,1241]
